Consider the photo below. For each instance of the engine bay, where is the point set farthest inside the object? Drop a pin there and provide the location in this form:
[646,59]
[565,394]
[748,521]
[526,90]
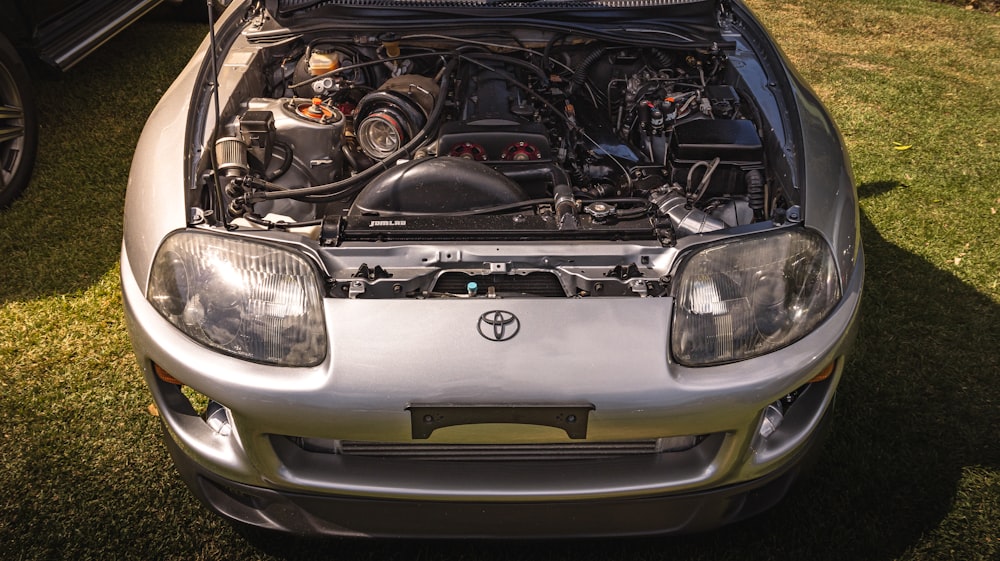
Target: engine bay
[443,136]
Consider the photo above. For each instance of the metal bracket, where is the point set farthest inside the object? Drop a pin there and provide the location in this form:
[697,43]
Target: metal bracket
[496,268]
[426,418]
[357,289]
[624,273]
[371,273]
[638,286]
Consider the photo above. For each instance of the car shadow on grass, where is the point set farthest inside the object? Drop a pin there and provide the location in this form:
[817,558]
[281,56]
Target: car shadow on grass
[905,469]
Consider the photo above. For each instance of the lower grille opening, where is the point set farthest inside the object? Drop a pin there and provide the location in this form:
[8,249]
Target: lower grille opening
[532,284]
[500,452]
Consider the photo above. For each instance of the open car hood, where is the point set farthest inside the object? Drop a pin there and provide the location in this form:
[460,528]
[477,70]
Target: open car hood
[282,10]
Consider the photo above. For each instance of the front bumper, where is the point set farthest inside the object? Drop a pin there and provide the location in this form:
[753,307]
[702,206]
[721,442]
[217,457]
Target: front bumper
[310,514]
[258,475]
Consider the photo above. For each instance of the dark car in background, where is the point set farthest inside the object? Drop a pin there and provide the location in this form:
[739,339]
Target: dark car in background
[54,34]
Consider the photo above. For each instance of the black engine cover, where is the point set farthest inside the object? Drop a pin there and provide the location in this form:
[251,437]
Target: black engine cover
[436,185]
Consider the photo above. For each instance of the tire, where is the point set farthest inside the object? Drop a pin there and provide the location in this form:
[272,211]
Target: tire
[18,125]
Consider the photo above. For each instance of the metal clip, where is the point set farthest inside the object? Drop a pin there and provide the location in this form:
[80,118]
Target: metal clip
[494,268]
[357,289]
[639,287]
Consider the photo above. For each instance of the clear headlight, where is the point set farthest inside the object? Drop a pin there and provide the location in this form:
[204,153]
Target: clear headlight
[246,298]
[748,296]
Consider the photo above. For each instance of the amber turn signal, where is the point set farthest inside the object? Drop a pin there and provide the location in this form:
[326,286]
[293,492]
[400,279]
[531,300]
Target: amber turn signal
[824,374]
[165,376]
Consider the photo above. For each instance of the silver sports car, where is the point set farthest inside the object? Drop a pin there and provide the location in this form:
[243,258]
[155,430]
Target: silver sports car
[490,268]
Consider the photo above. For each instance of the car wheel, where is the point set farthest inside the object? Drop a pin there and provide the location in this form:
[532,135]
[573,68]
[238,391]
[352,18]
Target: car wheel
[18,125]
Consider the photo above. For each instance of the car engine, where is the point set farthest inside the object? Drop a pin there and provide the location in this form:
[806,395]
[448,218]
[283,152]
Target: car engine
[434,136]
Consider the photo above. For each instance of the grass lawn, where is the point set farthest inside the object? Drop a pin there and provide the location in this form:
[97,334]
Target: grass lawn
[912,466]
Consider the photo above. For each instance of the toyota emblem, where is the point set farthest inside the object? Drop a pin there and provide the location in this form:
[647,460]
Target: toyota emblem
[498,325]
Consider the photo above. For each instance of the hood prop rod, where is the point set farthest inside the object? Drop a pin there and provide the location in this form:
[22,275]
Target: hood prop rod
[218,117]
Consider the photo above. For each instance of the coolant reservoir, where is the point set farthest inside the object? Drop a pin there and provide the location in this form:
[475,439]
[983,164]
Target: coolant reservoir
[321,63]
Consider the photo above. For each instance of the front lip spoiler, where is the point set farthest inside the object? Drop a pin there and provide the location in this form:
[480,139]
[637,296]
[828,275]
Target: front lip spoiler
[337,515]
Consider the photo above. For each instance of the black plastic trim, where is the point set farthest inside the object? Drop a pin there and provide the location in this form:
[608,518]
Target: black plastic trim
[65,41]
[425,419]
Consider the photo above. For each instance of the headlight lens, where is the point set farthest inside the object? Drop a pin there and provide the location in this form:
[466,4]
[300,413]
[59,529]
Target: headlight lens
[752,295]
[246,298]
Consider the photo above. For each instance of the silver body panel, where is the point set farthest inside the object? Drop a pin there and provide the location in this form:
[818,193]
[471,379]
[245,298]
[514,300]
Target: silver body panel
[388,354]
[363,388]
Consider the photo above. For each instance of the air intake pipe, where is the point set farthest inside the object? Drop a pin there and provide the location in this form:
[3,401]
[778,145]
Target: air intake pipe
[684,218]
